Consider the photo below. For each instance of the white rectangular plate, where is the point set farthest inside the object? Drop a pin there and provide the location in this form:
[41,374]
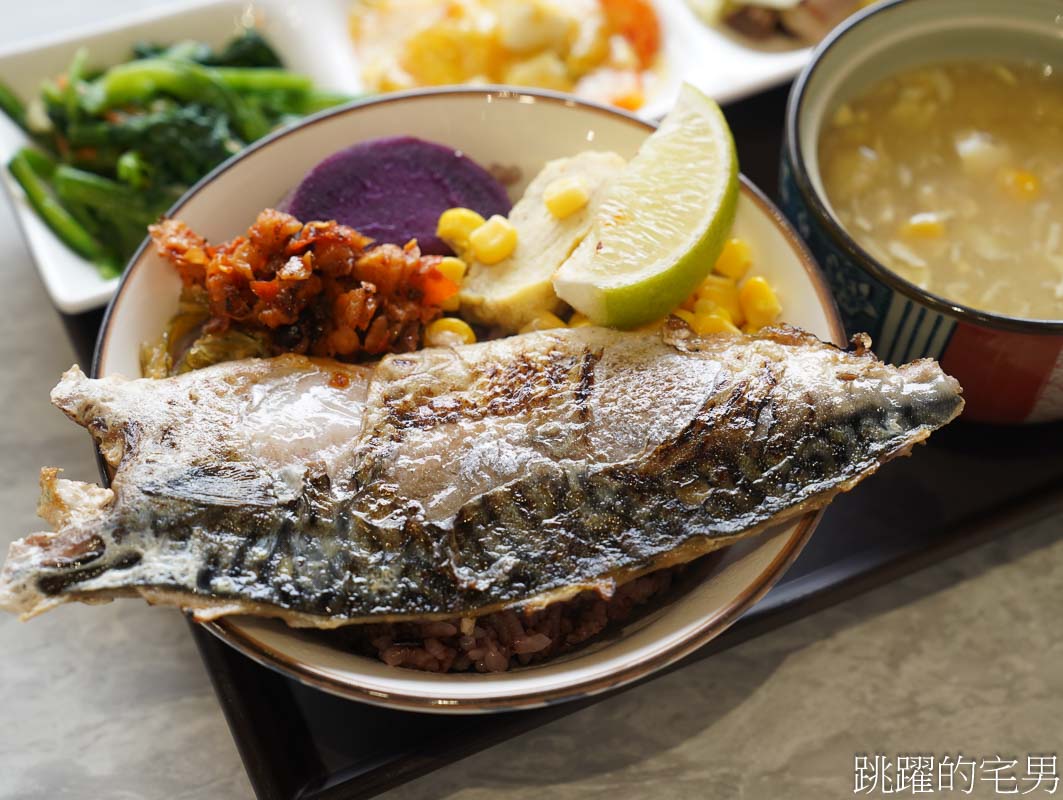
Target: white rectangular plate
[311,37]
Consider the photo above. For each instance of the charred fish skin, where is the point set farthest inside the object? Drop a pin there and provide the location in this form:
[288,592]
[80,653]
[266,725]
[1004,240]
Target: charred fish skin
[764,449]
[516,472]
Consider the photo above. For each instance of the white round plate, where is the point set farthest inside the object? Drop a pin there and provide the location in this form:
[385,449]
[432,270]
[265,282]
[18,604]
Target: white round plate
[510,129]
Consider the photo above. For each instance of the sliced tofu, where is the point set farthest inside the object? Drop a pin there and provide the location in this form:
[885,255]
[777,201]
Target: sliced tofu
[511,293]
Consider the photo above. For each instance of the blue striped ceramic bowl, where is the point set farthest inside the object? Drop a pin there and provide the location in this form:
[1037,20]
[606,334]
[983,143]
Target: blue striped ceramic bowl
[1011,369]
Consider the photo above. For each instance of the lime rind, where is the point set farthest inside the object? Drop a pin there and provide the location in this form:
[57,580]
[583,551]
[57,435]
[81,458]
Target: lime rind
[663,224]
[665,291]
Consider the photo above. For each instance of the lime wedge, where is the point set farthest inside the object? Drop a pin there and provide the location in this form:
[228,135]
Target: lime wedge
[662,223]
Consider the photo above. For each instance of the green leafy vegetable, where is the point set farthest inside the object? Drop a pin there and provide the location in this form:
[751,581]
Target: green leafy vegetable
[133,170]
[248,49]
[178,143]
[119,146]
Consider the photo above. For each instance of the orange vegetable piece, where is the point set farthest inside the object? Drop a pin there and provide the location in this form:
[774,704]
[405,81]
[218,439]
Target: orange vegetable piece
[436,287]
[630,101]
[266,290]
[636,21]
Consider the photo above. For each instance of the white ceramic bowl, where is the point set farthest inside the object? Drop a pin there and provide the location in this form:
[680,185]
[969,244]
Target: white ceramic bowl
[522,130]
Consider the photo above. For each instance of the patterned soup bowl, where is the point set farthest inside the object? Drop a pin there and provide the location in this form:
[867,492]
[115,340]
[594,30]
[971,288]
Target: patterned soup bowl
[1011,368]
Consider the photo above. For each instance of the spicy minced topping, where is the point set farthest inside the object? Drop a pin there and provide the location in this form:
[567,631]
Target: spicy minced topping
[317,288]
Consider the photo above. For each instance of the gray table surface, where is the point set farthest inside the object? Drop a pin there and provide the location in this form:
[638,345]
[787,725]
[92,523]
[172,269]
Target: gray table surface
[113,702]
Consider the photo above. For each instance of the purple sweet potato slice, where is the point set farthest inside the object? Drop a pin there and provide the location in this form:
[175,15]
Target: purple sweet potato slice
[394,190]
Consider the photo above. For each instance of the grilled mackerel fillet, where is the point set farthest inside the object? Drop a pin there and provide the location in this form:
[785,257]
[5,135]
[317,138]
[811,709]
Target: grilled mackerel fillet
[454,482]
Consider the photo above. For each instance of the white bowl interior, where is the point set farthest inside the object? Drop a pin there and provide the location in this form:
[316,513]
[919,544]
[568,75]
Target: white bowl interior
[519,130]
[915,33]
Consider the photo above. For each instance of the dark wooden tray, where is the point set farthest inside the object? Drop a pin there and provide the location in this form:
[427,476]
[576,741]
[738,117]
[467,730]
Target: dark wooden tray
[970,483]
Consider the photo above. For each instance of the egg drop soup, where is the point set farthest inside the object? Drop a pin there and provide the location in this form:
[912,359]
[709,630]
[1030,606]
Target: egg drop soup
[952,176]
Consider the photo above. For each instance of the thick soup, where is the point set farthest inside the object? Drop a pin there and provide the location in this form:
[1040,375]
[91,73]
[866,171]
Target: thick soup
[952,176]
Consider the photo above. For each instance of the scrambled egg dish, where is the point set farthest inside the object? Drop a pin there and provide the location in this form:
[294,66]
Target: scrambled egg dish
[604,50]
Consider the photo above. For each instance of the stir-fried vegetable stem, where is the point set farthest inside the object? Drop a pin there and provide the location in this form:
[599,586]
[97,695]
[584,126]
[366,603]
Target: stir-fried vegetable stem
[61,221]
[12,106]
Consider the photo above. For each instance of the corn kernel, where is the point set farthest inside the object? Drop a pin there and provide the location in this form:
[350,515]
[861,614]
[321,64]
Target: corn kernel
[565,196]
[706,324]
[706,306]
[734,259]
[493,241]
[448,332]
[1020,184]
[923,226]
[543,321]
[579,320]
[453,269]
[686,316]
[455,225]
[843,116]
[724,292]
[760,306]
